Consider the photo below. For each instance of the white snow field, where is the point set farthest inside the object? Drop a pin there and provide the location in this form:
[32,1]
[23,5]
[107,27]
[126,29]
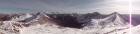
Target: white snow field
[43,29]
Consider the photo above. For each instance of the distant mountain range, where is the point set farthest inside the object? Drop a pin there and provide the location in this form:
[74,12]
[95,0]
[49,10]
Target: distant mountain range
[13,22]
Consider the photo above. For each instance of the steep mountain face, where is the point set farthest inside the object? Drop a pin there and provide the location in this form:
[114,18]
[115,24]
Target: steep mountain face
[38,18]
[41,18]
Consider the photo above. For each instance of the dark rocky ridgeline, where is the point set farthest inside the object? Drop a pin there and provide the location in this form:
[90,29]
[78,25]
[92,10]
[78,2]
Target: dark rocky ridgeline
[72,20]
[95,15]
[67,20]
[6,17]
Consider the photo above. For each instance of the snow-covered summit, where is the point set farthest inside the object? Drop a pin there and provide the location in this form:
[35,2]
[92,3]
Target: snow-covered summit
[112,20]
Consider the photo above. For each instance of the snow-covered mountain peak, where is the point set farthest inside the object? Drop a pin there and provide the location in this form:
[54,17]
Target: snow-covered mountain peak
[39,13]
[113,20]
[115,13]
[28,15]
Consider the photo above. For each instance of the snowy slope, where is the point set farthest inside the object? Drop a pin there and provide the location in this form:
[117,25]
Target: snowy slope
[10,27]
[134,30]
[13,26]
[113,20]
[22,17]
[43,29]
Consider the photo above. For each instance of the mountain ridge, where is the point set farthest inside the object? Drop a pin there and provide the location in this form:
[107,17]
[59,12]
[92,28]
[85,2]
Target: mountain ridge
[64,20]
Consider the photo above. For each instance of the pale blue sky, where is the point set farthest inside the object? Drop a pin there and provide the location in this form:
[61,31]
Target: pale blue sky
[68,6]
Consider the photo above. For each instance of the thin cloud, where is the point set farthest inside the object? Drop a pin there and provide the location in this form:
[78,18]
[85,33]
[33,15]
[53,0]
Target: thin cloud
[69,6]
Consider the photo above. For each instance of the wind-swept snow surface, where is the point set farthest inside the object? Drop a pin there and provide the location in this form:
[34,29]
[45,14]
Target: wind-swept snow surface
[134,30]
[46,29]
